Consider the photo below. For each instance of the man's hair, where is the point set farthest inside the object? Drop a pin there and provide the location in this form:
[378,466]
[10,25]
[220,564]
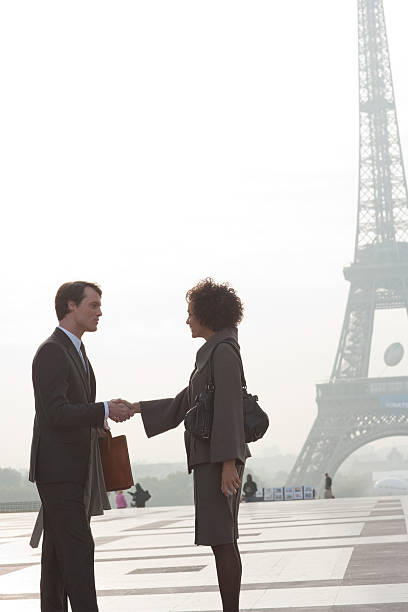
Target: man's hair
[216,306]
[72,292]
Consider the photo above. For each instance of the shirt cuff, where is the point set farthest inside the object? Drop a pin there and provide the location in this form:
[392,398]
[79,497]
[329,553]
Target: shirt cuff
[106,410]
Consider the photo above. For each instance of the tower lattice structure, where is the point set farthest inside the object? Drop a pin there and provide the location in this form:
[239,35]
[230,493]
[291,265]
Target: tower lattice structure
[354,409]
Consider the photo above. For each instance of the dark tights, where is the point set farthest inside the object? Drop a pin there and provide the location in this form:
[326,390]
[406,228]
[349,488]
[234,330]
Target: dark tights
[229,570]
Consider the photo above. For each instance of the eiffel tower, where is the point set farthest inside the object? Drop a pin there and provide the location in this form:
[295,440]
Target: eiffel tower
[354,409]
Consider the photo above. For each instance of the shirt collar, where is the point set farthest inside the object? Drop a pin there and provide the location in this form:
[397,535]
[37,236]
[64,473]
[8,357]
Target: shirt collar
[203,353]
[74,339]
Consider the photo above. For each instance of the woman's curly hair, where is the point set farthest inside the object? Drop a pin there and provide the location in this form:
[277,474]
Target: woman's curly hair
[216,306]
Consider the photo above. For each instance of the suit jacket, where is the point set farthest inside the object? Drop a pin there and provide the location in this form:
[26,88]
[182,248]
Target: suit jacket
[64,412]
[227,440]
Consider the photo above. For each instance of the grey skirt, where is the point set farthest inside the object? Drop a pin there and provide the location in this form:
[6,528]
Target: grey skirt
[216,516]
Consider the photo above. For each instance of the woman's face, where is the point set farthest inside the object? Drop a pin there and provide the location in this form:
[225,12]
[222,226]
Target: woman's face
[197,330]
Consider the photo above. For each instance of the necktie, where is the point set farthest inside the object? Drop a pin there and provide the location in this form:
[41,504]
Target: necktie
[83,351]
[88,375]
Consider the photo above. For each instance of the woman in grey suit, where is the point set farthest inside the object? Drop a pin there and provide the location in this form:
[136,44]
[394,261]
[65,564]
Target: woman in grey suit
[214,312]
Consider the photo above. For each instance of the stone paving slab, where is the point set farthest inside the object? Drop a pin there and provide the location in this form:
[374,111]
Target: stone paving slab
[341,555]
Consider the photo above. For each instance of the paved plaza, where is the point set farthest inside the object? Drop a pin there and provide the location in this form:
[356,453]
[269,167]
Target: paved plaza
[340,554]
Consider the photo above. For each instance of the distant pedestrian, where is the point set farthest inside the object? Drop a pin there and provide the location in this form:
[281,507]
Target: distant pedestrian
[140,496]
[328,487]
[120,500]
[250,488]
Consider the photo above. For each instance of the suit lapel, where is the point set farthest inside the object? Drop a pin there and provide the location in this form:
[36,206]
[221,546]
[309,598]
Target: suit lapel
[92,382]
[73,353]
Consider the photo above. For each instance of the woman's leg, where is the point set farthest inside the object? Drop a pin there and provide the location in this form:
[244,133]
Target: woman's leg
[229,569]
[239,561]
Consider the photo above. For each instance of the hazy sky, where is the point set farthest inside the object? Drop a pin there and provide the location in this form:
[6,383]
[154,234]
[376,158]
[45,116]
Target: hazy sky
[146,145]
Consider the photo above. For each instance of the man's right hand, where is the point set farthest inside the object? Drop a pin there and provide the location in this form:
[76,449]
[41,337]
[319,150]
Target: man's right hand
[119,410]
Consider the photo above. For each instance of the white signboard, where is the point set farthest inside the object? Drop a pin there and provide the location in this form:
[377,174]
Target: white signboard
[268,494]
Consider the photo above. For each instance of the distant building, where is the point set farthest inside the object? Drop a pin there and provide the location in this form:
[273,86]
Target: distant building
[391,486]
[399,474]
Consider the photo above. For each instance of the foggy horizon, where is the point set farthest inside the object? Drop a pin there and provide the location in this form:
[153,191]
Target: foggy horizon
[167,144]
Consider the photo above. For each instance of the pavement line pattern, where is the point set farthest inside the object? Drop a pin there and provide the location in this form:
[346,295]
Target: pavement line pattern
[341,554]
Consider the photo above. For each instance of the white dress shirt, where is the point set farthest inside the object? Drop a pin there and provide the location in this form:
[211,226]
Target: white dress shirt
[77,343]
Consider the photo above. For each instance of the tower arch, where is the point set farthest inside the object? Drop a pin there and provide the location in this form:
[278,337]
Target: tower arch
[338,460]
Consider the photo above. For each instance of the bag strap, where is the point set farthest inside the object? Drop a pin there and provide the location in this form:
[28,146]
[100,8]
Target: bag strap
[211,363]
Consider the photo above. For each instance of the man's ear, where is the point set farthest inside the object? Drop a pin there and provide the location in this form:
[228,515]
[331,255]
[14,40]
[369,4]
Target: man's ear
[71,305]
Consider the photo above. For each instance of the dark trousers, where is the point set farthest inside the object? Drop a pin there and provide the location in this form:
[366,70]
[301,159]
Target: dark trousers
[67,562]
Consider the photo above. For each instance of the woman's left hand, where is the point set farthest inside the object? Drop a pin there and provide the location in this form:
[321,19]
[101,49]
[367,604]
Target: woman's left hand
[230,481]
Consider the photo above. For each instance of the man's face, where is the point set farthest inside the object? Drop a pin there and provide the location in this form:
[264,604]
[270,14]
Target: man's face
[86,314]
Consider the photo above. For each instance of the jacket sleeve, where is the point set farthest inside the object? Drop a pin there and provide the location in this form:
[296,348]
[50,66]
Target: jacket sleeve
[227,435]
[164,414]
[51,382]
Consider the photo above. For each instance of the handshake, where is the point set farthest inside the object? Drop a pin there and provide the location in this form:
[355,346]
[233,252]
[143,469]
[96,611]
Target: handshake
[120,410]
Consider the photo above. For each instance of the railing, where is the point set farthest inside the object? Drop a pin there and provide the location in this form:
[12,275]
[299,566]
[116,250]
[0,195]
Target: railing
[363,387]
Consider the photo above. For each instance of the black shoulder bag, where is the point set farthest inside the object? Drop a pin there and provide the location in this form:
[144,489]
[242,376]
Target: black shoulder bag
[199,418]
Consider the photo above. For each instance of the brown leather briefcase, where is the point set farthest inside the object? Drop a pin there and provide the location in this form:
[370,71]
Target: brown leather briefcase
[115,463]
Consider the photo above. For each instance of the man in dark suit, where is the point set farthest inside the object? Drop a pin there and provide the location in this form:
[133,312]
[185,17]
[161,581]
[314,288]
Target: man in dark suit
[65,461]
